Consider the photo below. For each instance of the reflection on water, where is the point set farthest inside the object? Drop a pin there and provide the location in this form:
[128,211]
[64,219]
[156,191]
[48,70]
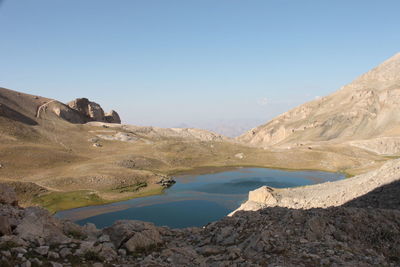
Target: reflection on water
[196,200]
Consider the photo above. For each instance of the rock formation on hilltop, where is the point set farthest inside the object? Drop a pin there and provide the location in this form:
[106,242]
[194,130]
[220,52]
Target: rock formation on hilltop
[93,111]
[364,109]
[28,109]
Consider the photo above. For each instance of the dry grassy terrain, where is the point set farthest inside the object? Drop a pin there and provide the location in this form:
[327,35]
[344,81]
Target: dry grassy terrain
[60,165]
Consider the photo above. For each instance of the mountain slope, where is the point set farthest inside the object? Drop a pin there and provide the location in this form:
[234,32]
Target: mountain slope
[59,165]
[364,109]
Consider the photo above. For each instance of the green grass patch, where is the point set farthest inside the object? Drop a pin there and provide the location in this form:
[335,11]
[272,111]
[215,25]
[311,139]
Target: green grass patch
[56,201]
[130,188]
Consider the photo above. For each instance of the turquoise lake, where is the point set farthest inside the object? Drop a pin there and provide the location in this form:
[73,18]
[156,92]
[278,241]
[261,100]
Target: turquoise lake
[196,200]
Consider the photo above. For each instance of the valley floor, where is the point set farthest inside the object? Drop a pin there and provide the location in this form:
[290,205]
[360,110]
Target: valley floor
[59,165]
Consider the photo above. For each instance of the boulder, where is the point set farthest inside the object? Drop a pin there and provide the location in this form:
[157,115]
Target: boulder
[112,117]
[5,226]
[38,224]
[133,234]
[74,231]
[239,155]
[66,113]
[81,105]
[7,195]
[143,240]
[263,195]
[42,250]
[95,112]
[91,231]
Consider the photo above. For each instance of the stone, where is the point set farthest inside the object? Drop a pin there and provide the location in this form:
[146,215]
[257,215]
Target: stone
[14,239]
[211,250]
[6,253]
[239,155]
[91,231]
[43,250]
[56,264]
[166,181]
[143,240]
[108,253]
[86,246]
[123,230]
[5,226]
[112,117]
[73,230]
[26,264]
[37,261]
[7,195]
[38,223]
[53,255]
[19,250]
[95,111]
[109,245]
[62,111]
[122,252]
[263,195]
[65,252]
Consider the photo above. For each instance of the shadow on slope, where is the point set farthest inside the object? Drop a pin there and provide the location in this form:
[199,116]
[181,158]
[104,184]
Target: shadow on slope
[15,115]
[384,197]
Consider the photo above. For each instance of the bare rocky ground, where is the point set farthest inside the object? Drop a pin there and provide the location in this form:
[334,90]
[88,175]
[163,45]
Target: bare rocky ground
[360,233]
[326,194]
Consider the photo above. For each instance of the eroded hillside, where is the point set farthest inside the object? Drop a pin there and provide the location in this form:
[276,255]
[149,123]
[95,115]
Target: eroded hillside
[56,160]
[360,111]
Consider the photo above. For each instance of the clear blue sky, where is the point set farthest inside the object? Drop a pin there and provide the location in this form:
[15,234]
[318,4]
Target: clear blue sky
[166,62]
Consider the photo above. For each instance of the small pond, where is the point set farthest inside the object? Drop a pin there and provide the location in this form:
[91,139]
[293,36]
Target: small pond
[196,200]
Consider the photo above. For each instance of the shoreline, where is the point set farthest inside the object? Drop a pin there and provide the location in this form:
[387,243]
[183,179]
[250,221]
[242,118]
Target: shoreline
[109,207]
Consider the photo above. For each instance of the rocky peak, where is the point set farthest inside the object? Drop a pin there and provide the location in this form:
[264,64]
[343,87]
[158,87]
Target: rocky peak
[384,76]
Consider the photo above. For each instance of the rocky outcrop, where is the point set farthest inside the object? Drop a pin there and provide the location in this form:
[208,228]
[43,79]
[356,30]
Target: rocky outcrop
[93,111]
[189,134]
[364,109]
[340,236]
[62,111]
[166,181]
[112,117]
[330,194]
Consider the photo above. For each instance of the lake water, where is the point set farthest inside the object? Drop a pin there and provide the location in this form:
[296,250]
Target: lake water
[196,200]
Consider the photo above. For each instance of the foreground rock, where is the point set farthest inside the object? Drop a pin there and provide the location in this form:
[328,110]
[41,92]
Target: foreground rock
[340,236]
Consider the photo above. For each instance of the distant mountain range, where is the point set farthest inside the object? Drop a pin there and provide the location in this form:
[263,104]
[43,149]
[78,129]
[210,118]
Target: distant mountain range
[226,127]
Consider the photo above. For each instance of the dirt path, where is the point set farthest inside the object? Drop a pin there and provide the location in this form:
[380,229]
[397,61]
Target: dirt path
[43,108]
